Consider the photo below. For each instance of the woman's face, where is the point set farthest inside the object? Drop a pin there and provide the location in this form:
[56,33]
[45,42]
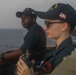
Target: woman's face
[53,28]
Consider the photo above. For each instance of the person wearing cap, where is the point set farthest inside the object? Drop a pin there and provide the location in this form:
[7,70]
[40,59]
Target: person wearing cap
[34,40]
[60,21]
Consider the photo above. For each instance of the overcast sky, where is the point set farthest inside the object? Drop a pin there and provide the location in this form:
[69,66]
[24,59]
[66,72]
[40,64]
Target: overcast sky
[8,8]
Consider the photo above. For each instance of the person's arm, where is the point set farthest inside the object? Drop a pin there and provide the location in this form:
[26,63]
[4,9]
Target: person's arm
[23,69]
[30,42]
[12,55]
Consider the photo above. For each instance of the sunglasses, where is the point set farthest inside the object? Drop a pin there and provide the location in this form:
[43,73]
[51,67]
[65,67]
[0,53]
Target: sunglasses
[47,23]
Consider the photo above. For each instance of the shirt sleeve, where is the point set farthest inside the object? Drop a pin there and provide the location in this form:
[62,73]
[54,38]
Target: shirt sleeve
[30,41]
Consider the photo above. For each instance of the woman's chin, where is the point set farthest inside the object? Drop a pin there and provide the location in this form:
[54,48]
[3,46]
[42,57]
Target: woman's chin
[50,37]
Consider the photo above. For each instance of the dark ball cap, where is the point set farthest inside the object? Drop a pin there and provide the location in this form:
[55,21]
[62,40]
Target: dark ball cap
[60,11]
[27,12]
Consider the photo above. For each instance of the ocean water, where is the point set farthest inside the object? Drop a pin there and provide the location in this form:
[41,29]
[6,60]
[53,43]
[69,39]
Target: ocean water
[12,39]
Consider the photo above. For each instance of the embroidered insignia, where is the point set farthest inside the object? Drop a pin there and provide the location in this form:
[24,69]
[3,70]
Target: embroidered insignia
[54,7]
[62,15]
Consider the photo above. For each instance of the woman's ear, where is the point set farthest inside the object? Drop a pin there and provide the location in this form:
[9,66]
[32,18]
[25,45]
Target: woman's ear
[64,26]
